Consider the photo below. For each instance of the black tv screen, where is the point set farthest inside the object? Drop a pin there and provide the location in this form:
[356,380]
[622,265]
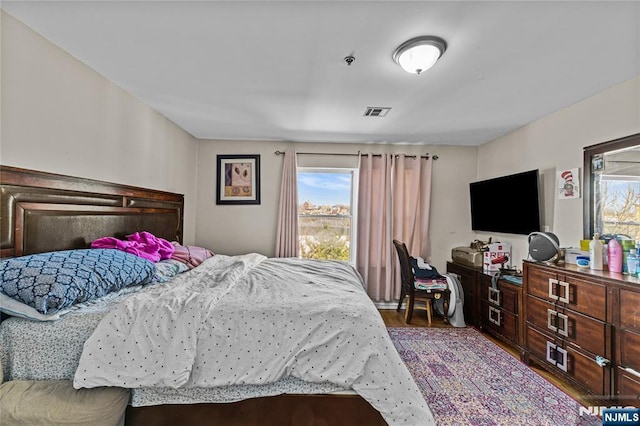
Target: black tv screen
[507,204]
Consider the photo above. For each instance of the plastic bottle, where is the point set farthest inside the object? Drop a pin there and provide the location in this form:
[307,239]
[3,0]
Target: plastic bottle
[595,253]
[632,263]
[615,255]
[627,245]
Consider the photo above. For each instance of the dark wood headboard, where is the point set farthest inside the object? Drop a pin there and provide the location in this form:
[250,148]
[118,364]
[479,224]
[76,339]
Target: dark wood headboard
[42,212]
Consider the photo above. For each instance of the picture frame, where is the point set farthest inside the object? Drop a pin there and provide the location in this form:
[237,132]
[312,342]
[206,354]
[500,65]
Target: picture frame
[568,183]
[238,179]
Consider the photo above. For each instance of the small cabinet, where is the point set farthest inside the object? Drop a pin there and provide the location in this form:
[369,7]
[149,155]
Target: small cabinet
[469,280]
[500,307]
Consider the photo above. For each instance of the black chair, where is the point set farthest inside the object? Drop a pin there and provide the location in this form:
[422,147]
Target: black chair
[409,289]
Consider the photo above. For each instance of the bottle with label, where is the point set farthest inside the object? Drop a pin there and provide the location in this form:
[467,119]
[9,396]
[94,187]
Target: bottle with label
[632,263]
[614,250]
[595,253]
[627,245]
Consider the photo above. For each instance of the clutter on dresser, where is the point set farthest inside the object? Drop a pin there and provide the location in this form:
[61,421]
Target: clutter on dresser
[487,255]
[467,256]
[496,257]
[616,253]
[545,247]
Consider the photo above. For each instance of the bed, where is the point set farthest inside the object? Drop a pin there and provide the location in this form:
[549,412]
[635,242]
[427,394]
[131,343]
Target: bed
[285,337]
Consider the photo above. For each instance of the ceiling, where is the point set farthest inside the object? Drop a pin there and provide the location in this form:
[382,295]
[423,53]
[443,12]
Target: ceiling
[268,70]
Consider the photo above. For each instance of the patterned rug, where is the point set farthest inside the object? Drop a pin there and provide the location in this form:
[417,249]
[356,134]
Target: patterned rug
[469,380]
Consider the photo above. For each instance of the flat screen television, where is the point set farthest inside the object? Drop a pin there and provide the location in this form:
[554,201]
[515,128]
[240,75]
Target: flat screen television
[508,204]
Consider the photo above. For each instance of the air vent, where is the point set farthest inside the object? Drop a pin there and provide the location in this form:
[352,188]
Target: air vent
[376,111]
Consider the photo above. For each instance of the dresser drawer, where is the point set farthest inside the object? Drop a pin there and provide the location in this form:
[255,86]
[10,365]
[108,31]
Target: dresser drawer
[589,298]
[630,310]
[537,313]
[629,349]
[586,297]
[538,282]
[583,368]
[499,321]
[504,296]
[578,365]
[537,342]
[628,388]
[581,330]
[585,332]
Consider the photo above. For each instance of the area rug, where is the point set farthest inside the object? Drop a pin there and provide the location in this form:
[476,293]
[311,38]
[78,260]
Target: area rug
[468,380]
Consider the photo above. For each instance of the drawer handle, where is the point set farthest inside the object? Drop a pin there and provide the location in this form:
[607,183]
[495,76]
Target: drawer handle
[552,289]
[631,371]
[563,324]
[562,362]
[495,316]
[494,296]
[551,352]
[564,286]
[557,356]
[552,318]
[602,361]
[558,322]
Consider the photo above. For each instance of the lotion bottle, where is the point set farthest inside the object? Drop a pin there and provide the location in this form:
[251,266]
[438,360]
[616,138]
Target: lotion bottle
[595,253]
[615,255]
[632,263]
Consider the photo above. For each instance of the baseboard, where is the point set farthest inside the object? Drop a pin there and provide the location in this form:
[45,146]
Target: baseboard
[387,305]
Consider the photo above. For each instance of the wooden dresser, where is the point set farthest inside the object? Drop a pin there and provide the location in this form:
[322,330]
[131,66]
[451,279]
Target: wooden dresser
[584,327]
[500,310]
[495,311]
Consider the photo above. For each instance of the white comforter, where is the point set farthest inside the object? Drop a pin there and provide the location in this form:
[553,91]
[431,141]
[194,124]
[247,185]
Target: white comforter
[252,320]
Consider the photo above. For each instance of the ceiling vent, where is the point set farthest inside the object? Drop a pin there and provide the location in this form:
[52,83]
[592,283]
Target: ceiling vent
[376,111]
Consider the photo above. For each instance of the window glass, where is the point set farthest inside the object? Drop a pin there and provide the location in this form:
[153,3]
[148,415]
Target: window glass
[612,188]
[325,213]
[617,194]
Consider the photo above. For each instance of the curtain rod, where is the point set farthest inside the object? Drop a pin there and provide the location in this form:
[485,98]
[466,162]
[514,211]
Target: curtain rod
[435,157]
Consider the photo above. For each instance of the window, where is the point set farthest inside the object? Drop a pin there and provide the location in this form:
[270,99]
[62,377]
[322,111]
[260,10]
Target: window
[612,188]
[326,211]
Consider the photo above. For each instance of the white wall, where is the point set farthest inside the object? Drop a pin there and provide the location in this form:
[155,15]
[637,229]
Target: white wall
[60,116]
[233,229]
[556,143]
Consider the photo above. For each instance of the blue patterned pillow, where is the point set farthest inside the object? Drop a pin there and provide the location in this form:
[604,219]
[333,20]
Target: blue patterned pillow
[167,269]
[52,281]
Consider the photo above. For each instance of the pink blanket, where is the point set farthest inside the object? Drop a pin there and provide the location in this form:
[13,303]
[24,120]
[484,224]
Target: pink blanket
[143,244]
[191,255]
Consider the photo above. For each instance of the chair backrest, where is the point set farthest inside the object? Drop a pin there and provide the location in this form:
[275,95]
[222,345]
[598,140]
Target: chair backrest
[406,272]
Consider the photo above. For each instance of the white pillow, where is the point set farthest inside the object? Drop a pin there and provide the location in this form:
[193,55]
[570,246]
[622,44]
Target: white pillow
[17,309]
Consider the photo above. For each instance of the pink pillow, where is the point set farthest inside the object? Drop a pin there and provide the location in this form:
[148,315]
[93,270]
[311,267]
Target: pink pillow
[191,255]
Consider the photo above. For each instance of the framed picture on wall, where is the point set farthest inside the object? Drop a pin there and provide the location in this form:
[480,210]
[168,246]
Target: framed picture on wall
[568,183]
[238,179]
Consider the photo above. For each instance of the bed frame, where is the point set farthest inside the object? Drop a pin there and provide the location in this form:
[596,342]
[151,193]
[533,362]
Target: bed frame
[41,212]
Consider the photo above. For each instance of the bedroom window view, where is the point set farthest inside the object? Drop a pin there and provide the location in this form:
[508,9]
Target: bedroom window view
[325,213]
[620,207]
[617,193]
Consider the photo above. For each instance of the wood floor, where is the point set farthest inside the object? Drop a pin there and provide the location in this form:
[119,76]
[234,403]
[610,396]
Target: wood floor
[396,319]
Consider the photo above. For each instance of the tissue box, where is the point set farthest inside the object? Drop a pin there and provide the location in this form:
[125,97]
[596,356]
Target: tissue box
[571,254]
[497,256]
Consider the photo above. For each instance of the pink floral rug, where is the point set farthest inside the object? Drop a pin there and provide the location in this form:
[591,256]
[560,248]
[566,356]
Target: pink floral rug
[469,380]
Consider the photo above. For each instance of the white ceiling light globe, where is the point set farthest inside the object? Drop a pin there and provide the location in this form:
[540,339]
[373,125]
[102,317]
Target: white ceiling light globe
[419,54]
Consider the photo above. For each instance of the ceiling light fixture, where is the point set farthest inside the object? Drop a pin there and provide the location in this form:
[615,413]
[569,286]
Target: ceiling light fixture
[420,53]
